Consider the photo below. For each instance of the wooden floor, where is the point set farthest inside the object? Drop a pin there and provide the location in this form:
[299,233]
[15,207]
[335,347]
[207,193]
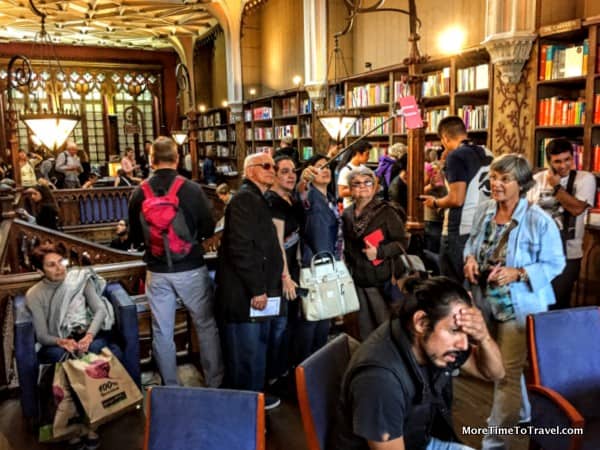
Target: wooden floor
[472,404]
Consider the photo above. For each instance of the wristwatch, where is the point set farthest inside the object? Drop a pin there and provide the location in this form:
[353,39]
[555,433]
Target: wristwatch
[557,188]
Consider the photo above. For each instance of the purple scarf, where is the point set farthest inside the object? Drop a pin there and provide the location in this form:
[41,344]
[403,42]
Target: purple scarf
[385,167]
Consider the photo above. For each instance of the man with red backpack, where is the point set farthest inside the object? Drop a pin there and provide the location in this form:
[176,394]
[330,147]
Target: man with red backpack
[172,215]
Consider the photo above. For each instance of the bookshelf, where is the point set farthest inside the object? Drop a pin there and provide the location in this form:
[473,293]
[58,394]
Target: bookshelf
[215,131]
[566,90]
[268,120]
[457,85]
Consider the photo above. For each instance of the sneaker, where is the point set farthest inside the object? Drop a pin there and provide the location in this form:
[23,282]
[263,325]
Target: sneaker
[271,402]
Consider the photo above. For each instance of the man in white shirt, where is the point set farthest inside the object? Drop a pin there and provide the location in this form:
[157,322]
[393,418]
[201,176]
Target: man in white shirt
[68,163]
[359,157]
[565,194]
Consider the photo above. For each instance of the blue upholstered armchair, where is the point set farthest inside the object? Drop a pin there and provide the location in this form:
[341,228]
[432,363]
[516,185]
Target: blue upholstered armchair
[211,419]
[564,384]
[318,382]
[26,357]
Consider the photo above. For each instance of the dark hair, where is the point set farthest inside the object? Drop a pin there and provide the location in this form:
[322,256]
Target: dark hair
[164,150]
[47,199]
[283,157]
[359,147]
[39,252]
[316,158]
[434,296]
[517,166]
[451,126]
[558,146]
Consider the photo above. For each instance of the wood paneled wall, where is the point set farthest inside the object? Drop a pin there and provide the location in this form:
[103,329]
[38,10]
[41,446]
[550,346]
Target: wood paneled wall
[219,72]
[251,54]
[382,38]
[555,11]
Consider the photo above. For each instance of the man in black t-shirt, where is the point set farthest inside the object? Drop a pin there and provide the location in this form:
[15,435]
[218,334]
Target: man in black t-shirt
[467,167]
[396,393]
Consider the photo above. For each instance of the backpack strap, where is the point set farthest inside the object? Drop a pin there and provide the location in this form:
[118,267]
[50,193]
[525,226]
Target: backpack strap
[147,189]
[566,215]
[176,185]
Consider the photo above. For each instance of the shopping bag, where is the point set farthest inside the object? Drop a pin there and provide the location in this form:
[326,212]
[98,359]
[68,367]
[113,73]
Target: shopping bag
[330,286]
[103,386]
[59,417]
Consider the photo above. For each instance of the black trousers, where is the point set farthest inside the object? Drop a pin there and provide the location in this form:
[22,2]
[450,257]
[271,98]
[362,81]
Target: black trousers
[451,256]
[564,283]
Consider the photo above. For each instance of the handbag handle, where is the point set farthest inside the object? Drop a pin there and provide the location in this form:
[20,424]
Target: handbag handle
[321,255]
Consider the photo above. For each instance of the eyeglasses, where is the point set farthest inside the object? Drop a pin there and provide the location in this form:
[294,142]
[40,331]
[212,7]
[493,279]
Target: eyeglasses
[358,184]
[265,166]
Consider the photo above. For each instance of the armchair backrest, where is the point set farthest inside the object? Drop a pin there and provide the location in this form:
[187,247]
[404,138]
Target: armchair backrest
[318,382]
[211,419]
[564,354]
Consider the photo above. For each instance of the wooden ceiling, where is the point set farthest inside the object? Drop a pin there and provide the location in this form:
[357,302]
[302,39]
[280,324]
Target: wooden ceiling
[144,24]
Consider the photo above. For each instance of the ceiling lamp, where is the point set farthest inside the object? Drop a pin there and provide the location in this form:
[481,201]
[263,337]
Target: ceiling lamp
[179,136]
[336,121]
[52,124]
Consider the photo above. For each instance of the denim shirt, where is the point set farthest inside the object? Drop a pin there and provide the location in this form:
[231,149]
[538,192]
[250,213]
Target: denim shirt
[534,244]
[321,225]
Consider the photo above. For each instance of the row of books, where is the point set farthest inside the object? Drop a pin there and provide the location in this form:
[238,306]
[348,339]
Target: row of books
[559,111]
[306,106]
[596,109]
[377,151]
[475,117]
[559,61]
[577,153]
[289,106]
[211,120]
[472,78]
[433,118]
[437,83]
[401,89]
[261,134]
[368,123]
[596,160]
[400,125]
[286,130]
[223,151]
[306,152]
[260,113]
[368,95]
[218,135]
[262,149]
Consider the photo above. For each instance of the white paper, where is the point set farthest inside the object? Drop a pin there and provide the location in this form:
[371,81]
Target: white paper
[272,308]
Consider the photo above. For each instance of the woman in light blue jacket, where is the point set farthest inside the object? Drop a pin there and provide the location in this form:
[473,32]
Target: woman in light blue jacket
[513,253]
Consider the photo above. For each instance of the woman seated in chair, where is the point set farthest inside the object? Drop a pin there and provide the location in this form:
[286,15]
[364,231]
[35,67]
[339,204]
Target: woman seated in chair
[69,313]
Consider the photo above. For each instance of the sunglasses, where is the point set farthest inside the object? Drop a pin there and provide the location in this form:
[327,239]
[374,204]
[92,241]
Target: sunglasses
[265,166]
[358,184]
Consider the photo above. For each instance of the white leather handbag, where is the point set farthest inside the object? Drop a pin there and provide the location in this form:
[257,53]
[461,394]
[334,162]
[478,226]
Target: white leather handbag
[331,291]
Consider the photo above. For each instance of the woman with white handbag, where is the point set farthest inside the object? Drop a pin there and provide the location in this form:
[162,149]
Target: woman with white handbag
[374,238]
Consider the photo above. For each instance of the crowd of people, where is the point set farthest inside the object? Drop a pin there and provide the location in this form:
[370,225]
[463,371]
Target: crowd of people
[504,238]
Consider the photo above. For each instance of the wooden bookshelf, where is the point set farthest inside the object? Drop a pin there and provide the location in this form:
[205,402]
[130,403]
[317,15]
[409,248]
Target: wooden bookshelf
[215,130]
[268,119]
[568,81]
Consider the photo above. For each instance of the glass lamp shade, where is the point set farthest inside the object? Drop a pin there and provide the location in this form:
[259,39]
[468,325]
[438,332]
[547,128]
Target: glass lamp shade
[337,124]
[179,136]
[52,129]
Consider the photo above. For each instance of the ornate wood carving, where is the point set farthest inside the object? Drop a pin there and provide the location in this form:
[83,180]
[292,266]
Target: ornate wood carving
[512,114]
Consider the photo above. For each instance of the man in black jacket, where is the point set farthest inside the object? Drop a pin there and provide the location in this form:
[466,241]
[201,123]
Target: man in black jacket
[249,280]
[396,393]
[186,278]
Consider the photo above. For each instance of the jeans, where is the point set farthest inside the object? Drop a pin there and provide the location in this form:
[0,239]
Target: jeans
[194,288]
[253,351]
[508,408]
[451,256]
[436,444]
[49,354]
[306,337]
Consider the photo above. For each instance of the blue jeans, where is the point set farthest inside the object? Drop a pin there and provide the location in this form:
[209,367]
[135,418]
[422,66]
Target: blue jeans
[306,337]
[253,351]
[195,290]
[436,444]
[49,354]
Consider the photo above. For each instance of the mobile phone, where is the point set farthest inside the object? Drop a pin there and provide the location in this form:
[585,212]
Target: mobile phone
[421,198]
[302,292]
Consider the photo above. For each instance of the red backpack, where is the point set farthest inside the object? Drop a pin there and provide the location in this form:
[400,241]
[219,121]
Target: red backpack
[166,233]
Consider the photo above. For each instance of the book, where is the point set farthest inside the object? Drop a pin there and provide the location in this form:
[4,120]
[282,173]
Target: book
[374,239]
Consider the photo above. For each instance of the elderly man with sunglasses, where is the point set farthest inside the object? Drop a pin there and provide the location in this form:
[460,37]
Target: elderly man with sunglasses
[249,279]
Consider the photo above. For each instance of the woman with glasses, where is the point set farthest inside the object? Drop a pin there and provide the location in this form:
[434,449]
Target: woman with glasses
[512,254]
[374,237]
